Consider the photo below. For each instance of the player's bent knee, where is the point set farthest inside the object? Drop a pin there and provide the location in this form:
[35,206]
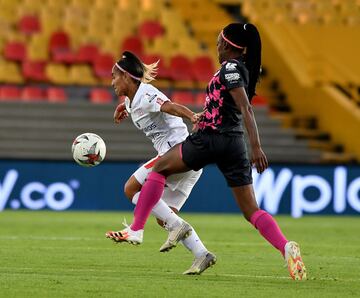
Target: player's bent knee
[160,222]
[130,189]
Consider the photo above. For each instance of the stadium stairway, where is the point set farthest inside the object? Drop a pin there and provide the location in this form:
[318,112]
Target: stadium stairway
[45,131]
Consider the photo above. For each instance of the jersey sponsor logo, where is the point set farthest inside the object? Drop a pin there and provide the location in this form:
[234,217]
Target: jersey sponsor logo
[154,135]
[230,66]
[150,127]
[231,77]
[152,98]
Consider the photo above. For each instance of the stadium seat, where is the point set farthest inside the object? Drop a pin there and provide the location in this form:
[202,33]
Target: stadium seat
[203,68]
[54,94]
[183,97]
[37,48]
[9,93]
[150,30]
[29,24]
[66,57]
[32,94]
[87,53]
[57,73]
[180,68]
[59,43]
[15,51]
[34,70]
[103,65]
[81,74]
[100,95]
[133,44]
[10,72]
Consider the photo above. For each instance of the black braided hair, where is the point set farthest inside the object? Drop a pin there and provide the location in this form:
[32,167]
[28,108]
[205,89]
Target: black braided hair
[247,35]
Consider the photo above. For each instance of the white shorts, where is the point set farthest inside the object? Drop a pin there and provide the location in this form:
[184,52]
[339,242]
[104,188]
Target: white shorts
[178,186]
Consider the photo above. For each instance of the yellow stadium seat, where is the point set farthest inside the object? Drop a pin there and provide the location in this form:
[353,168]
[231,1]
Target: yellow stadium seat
[51,19]
[82,75]
[10,73]
[37,48]
[58,74]
[8,14]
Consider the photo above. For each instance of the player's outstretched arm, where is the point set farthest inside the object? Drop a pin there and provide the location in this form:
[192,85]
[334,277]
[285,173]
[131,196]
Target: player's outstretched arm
[242,102]
[120,113]
[179,111]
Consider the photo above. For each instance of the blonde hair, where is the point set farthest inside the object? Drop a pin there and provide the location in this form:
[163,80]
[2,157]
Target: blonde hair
[150,72]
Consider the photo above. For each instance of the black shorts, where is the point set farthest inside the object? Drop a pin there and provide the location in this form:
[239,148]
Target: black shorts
[228,152]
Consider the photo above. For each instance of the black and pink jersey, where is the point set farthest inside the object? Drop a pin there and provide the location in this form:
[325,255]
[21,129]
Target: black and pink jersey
[221,113]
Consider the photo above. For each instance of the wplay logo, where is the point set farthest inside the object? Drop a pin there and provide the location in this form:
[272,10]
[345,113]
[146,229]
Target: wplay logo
[36,195]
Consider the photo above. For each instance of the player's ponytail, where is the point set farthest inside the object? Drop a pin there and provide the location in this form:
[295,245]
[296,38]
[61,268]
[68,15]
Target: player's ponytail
[150,72]
[241,36]
[136,69]
[253,57]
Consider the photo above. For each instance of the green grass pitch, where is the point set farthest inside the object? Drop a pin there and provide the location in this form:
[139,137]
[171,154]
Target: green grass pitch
[65,254]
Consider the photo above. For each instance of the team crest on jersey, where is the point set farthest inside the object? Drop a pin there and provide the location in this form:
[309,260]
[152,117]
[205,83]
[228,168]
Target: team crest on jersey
[159,101]
[230,66]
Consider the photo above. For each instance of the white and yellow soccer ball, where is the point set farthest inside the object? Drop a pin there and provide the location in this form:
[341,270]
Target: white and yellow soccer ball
[88,149]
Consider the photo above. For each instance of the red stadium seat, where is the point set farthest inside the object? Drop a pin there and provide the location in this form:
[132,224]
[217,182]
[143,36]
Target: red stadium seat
[180,68]
[15,51]
[10,93]
[59,41]
[183,97]
[103,65]
[150,30]
[54,94]
[87,53]
[100,95]
[134,45]
[34,70]
[29,24]
[32,94]
[203,68]
[59,47]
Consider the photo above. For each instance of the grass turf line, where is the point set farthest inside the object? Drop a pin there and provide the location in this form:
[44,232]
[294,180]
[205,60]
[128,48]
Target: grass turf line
[65,254]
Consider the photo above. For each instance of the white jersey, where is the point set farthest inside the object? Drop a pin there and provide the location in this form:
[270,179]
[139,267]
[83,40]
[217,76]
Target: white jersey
[163,129]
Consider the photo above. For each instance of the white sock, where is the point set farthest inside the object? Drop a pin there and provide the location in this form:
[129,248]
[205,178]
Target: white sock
[162,211]
[194,244]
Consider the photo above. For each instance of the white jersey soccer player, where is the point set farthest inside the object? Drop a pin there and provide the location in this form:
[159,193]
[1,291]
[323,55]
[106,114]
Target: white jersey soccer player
[161,121]
[165,131]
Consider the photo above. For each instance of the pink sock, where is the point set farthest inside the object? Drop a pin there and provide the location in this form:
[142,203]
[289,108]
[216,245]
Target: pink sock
[269,229]
[150,194]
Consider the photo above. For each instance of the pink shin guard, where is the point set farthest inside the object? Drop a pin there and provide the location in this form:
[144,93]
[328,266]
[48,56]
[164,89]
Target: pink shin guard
[150,194]
[269,229]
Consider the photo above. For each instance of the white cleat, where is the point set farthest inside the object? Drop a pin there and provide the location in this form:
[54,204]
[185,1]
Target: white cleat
[294,261]
[126,235]
[176,234]
[201,264]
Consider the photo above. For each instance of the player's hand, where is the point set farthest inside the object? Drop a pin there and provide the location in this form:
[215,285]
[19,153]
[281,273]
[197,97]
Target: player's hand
[195,120]
[120,113]
[259,160]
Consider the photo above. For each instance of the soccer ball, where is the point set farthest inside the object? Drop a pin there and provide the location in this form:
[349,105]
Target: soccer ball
[88,150]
